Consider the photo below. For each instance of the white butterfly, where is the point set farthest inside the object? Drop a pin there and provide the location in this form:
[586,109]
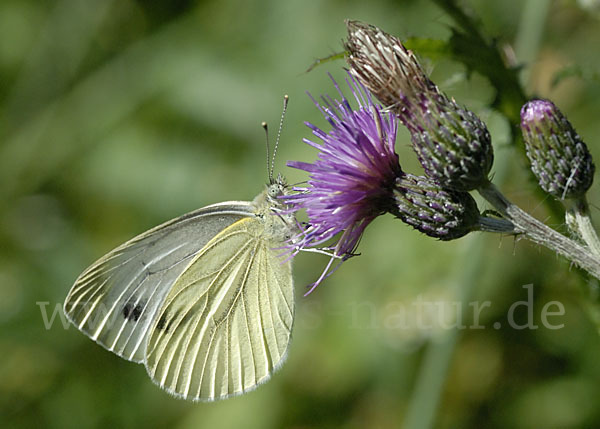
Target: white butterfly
[204,301]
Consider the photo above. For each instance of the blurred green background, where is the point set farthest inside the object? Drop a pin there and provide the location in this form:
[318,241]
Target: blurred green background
[118,115]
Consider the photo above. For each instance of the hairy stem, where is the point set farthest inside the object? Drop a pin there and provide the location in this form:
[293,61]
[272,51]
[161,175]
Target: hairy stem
[579,220]
[540,233]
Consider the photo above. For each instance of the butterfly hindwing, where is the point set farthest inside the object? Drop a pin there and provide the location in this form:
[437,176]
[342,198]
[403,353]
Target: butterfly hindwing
[225,324]
[115,300]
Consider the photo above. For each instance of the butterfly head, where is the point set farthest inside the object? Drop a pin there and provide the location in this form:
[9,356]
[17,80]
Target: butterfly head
[276,188]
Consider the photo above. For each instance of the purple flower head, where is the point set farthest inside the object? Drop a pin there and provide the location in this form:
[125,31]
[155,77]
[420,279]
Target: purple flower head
[353,178]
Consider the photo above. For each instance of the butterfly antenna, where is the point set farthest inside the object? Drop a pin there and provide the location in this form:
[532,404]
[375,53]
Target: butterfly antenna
[269,170]
[286,98]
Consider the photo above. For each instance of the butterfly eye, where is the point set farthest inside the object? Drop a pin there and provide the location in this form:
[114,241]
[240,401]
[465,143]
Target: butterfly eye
[275,190]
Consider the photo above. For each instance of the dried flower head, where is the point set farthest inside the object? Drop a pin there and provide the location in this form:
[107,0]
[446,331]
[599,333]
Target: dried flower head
[452,143]
[383,65]
[559,158]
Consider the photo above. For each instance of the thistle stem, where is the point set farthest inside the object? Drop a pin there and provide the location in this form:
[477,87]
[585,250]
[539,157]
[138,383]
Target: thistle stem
[540,233]
[579,220]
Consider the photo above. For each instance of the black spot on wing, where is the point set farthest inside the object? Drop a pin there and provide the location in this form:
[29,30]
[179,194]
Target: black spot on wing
[133,311]
[162,323]
[167,322]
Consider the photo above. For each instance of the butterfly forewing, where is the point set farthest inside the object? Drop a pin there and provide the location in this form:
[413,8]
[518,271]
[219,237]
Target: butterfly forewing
[225,324]
[115,300]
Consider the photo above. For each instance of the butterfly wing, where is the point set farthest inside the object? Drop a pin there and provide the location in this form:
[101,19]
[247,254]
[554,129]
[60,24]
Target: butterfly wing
[115,300]
[225,325]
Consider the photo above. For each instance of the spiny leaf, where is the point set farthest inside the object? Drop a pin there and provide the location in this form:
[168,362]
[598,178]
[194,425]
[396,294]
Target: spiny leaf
[320,61]
[574,70]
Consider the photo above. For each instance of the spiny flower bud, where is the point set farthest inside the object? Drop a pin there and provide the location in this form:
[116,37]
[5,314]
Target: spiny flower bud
[559,158]
[452,143]
[438,213]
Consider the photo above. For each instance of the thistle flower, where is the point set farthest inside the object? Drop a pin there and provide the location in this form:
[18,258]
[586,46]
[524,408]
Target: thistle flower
[452,143]
[352,181]
[357,177]
[559,158]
